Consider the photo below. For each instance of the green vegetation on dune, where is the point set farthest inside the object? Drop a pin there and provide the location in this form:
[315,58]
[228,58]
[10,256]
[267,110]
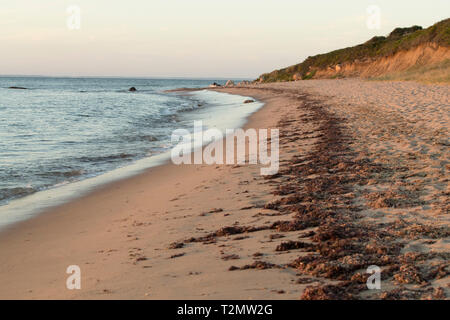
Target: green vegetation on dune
[398,40]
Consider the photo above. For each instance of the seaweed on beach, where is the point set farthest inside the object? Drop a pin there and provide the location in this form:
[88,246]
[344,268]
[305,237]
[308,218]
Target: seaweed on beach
[226,231]
[319,190]
[320,193]
[260,265]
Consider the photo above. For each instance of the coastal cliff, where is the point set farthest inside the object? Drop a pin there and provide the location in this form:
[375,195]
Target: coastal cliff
[405,54]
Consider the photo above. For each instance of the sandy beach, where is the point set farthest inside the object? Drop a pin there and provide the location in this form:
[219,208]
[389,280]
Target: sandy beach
[363,180]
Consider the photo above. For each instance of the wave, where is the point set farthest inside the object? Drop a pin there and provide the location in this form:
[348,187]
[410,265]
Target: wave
[65,174]
[9,193]
[144,137]
[107,158]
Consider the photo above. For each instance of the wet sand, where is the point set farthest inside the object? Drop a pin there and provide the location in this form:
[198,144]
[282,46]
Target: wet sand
[363,181]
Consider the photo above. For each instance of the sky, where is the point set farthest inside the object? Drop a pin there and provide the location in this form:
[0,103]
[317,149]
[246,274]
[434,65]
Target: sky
[191,38]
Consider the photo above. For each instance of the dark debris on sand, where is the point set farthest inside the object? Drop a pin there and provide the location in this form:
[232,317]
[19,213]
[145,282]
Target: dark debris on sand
[319,190]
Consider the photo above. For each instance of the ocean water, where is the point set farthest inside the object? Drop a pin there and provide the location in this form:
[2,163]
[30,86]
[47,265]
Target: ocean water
[61,135]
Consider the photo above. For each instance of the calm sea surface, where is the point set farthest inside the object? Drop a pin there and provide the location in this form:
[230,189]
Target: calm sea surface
[64,130]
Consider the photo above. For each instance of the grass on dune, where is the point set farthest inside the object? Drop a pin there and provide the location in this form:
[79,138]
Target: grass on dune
[398,40]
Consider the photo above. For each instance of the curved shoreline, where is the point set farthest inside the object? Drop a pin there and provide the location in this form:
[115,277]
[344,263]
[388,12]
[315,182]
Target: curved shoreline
[86,231]
[44,200]
[355,188]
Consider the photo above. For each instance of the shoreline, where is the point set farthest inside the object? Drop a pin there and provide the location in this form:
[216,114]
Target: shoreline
[72,212]
[341,202]
[20,209]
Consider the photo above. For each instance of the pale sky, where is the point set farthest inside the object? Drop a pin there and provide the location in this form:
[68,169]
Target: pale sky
[190,38]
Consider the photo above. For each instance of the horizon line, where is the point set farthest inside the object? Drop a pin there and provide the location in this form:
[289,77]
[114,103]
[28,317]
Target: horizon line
[124,77]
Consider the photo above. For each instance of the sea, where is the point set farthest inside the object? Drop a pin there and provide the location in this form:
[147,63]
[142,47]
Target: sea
[62,137]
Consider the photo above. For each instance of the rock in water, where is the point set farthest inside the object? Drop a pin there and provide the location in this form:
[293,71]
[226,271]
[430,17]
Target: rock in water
[132,89]
[21,88]
[249,101]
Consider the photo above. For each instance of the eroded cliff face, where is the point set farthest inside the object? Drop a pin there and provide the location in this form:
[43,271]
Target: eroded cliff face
[424,55]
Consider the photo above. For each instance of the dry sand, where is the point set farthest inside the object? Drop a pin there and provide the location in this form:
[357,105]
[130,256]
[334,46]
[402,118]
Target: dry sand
[364,180]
